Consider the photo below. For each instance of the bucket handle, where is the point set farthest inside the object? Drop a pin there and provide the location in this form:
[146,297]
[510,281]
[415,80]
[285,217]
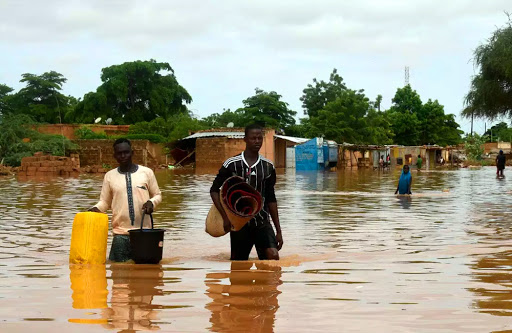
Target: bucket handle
[142,221]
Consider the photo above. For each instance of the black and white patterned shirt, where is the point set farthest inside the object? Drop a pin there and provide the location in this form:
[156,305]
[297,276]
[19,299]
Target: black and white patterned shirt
[261,175]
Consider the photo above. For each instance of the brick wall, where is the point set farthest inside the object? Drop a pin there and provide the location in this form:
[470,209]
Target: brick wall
[68,130]
[100,152]
[211,152]
[48,165]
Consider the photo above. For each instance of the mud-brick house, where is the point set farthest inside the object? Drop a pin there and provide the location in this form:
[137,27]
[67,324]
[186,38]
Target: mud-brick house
[210,148]
[213,147]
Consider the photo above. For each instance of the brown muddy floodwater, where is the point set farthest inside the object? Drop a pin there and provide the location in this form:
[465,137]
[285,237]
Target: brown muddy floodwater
[356,259]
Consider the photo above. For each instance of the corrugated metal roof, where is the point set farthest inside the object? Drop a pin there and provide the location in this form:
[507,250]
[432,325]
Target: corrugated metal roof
[291,138]
[231,135]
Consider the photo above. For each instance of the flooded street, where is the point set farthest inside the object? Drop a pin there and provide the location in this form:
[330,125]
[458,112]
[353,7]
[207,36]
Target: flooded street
[355,259]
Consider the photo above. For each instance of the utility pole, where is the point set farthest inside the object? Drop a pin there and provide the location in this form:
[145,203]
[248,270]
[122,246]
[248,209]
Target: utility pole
[472,116]
[406,79]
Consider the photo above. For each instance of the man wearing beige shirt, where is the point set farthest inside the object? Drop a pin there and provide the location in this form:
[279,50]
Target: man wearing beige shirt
[129,190]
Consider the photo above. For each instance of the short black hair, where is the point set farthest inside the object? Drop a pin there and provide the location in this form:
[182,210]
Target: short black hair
[252,127]
[122,140]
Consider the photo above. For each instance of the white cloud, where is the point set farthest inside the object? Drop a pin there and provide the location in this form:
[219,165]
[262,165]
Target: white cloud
[221,50]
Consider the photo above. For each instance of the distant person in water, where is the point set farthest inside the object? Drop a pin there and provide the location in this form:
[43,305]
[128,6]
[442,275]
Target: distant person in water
[381,162]
[405,182]
[419,162]
[500,164]
[129,190]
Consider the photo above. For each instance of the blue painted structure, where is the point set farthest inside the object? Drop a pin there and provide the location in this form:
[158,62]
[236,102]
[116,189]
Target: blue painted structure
[306,156]
[316,154]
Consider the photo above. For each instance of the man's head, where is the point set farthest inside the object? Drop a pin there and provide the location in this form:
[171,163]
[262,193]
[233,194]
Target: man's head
[253,137]
[406,169]
[501,152]
[123,151]
[419,156]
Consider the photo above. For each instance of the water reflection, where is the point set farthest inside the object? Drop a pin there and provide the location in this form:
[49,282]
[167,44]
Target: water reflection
[247,301]
[133,290]
[89,290]
[405,201]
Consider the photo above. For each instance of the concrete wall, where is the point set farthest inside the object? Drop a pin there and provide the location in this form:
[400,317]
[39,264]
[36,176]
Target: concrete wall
[68,130]
[211,152]
[99,152]
[280,146]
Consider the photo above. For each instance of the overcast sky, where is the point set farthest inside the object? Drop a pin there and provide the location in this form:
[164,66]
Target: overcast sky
[222,50]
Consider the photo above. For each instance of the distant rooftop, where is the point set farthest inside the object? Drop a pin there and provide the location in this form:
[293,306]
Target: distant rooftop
[291,138]
[231,135]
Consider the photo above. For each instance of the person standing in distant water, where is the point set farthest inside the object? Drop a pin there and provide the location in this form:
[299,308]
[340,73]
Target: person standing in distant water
[129,190]
[405,182]
[419,162]
[500,164]
[381,162]
[388,161]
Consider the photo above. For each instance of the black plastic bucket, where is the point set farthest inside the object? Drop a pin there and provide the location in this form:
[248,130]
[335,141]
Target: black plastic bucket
[147,244]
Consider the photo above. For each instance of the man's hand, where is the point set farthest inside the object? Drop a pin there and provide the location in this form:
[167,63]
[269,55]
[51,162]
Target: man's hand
[148,207]
[227,225]
[280,242]
[94,209]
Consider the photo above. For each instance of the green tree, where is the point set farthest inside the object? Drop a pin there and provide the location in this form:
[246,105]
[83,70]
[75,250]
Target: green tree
[432,118]
[224,118]
[174,128]
[317,95]
[450,134]
[378,102]
[474,146]
[5,99]
[134,92]
[14,128]
[267,109]
[378,130]
[41,98]
[403,116]
[490,95]
[344,119]
[499,132]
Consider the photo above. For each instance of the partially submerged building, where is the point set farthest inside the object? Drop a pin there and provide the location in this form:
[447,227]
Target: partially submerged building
[316,154]
[210,148]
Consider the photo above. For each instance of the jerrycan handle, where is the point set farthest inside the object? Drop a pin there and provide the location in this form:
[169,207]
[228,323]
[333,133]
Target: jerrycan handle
[142,220]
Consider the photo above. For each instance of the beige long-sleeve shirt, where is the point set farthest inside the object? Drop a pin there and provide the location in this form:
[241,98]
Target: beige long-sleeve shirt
[114,194]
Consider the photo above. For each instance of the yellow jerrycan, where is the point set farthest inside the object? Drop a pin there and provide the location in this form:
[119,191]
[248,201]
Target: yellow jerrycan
[89,239]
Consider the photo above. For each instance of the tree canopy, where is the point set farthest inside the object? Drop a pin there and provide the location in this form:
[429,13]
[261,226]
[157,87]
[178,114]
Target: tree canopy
[490,95]
[499,132]
[41,98]
[415,123]
[132,92]
[267,109]
[317,95]
[351,118]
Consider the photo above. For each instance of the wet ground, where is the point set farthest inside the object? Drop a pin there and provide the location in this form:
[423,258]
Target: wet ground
[356,259]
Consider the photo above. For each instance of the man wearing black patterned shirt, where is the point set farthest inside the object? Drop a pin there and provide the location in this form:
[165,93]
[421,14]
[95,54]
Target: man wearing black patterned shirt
[259,172]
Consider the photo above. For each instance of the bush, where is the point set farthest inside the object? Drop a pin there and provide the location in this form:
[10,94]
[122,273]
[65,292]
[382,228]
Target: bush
[155,138]
[85,133]
[474,147]
[174,128]
[15,128]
